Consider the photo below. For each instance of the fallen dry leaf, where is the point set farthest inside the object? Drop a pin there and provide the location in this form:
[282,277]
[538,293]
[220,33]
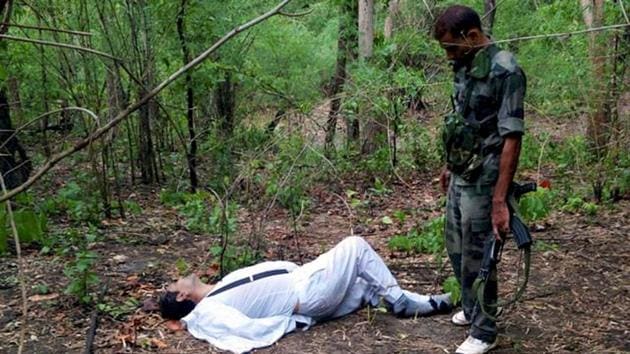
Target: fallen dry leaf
[158,343]
[47,297]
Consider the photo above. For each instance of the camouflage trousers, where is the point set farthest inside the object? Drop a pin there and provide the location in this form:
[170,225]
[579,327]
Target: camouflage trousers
[468,229]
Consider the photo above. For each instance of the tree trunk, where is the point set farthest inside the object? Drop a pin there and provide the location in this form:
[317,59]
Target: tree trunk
[225,102]
[337,82]
[394,8]
[366,28]
[597,128]
[350,9]
[191,156]
[147,113]
[373,129]
[15,172]
[490,12]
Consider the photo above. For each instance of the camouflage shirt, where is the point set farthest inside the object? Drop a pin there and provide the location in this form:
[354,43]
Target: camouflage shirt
[498,88]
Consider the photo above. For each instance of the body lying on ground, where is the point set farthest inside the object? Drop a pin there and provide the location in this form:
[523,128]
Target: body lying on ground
[255,306]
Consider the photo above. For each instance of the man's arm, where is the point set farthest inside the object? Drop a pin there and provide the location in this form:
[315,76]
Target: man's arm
[507,169]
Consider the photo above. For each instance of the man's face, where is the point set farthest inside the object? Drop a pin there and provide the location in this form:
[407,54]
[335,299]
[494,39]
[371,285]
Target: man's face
[184,285]
[459,50]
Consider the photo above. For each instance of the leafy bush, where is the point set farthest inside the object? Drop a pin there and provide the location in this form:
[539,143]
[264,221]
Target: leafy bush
[234,257]
[80,271]
[31,227]
[451,285]
[536,205]
[430,240]
[82,276]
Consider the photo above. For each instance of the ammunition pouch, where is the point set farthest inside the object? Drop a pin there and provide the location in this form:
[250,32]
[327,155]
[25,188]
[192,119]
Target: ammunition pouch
[463,146]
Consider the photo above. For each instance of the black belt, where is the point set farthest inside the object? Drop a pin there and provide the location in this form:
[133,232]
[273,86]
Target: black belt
[249,279]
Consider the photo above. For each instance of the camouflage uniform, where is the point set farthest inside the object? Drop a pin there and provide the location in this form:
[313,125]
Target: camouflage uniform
[498,88]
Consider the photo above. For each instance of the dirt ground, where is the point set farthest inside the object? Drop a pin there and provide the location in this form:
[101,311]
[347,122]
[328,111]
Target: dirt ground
[577,299]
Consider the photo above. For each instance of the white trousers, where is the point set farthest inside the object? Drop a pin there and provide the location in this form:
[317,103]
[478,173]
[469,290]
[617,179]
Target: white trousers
[344,279]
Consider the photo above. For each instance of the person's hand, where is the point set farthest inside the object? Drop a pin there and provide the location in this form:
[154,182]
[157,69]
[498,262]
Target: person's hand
[500,219]
[174,325]
[445,177]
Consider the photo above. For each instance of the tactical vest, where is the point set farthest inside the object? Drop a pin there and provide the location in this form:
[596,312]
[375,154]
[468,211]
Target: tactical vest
[463,137]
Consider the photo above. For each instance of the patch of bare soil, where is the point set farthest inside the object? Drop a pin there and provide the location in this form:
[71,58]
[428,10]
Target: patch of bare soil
[577,299]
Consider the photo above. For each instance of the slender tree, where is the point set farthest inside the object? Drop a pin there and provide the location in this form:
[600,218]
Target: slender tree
[191,155]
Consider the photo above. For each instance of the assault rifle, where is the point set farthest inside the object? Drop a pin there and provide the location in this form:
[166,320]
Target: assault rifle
[494,248]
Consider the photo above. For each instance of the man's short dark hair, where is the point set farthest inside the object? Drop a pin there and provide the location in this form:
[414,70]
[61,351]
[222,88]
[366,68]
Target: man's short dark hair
[456,20]
[171,309]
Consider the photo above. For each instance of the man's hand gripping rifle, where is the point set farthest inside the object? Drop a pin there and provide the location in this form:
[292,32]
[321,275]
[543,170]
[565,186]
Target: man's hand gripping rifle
[494,249]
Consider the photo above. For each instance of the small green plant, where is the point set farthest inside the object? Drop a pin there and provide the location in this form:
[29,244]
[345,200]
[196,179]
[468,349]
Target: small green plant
[31,227]
[573,204]
[577,204]
[590,208]
[379,187]
[82,276]
[451,285]
[536,205]
[542,246]
[429,240]
[234,257]
[132,206]
[118,310]
[399,216]
[41,289]
[182,267]
[80,272]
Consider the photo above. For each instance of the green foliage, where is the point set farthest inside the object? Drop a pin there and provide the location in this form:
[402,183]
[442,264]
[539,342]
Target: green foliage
[31,224]
[542,246]
[82,276]
[118,310]
[451,285]
[234,257]
[132,206]
[429,240]
[380,188]
[223,219]
[425,153]
[576,204]
[182,267]
[536,205]
[400,216]
[195,209]
[77,204]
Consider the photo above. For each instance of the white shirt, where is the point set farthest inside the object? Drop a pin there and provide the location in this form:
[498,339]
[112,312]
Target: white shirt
[251,315]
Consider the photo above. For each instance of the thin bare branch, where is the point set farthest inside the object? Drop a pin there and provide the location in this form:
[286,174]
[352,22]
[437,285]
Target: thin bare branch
[55,159]
[554,35]
[60,45]
[32,121]
[5,5]
[20,264]
[76,33]
[295,14]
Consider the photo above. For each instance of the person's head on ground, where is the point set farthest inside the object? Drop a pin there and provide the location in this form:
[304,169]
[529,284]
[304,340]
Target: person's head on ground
[458,29]
[181,297]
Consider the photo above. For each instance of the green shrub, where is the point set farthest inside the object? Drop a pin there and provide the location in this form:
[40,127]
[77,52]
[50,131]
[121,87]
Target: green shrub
[451,285]
[430,240]
[536,205]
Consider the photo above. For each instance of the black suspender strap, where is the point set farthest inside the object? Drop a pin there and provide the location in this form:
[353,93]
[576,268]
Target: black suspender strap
[249,279]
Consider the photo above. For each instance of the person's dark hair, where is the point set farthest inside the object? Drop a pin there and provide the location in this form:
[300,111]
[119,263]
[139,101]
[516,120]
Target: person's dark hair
[171,309]
[456,20]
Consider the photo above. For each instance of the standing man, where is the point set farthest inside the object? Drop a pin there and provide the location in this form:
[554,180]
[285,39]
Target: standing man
[482,139]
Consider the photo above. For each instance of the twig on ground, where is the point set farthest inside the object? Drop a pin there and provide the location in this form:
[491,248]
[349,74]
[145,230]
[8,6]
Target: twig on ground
[91,333]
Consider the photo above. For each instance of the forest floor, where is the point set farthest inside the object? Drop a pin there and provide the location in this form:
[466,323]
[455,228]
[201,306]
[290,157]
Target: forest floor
[576,301]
